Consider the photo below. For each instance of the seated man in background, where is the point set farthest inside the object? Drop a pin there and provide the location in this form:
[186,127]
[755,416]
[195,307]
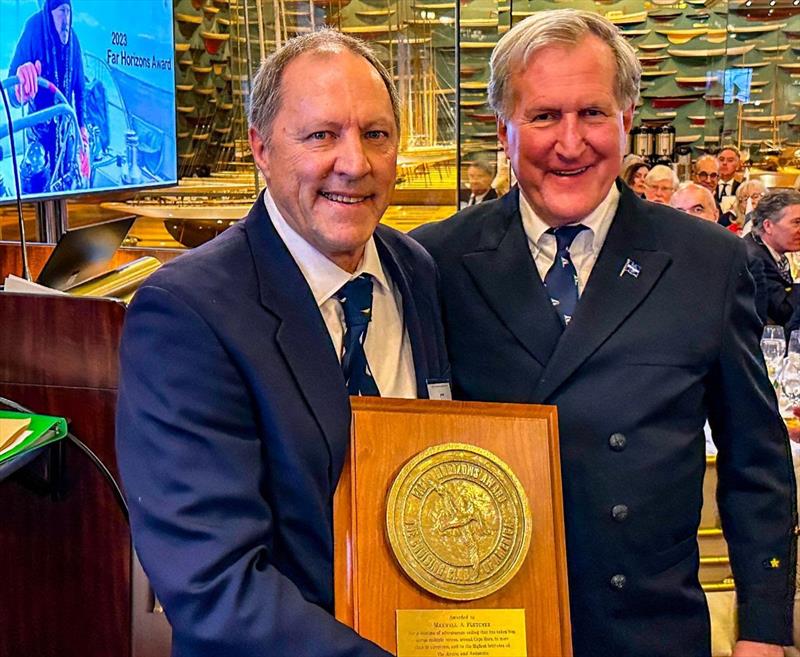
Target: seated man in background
[237,360]
[698,201]
[729,160]
[480,174]
[659,184]
[776,232]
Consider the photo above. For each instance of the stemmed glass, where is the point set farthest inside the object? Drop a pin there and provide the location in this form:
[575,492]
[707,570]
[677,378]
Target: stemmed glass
[773,345]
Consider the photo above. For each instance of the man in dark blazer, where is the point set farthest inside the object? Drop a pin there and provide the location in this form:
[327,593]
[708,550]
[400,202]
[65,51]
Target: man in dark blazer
[776,232]
[480,174]
[638,323]
[729,160]
[233,420]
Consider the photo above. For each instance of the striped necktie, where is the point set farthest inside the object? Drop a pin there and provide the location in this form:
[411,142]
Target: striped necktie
[356,299]
[561,279]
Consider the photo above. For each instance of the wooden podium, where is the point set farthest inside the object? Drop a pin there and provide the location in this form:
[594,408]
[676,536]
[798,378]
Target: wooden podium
[370,583]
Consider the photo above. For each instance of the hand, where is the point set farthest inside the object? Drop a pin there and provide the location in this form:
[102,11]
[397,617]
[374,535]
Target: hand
[756,649]
[27,74]
[83,155]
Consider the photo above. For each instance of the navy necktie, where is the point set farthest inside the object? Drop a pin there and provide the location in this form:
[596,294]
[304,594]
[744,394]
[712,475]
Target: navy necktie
[561,280]
[356,299]
[785,269]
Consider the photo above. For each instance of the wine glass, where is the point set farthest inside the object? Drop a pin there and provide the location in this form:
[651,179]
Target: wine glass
[773,346]
[794,343]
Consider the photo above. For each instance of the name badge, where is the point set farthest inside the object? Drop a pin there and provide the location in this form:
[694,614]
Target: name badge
[439,389]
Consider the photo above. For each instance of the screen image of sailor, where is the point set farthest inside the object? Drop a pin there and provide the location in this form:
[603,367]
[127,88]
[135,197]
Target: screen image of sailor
[91,85]
[49,50]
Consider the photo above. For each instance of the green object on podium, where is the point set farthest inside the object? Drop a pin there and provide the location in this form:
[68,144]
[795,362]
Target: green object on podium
[39,431]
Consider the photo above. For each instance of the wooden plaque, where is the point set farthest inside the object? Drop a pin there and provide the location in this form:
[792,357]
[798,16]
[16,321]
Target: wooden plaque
[371,586]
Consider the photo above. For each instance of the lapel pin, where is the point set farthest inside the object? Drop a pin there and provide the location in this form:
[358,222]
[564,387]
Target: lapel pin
[631,267]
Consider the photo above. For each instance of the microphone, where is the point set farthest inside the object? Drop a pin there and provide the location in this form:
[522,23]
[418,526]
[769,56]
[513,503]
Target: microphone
[26,272]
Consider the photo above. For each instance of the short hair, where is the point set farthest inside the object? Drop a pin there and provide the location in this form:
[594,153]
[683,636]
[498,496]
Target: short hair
[732,148]
[266,92]
[706,158]
[772,205]
[484,164]
[563,27]
[661,172]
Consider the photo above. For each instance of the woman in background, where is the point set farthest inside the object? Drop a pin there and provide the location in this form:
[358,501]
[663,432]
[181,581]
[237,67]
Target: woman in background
[634,174]
[748,194]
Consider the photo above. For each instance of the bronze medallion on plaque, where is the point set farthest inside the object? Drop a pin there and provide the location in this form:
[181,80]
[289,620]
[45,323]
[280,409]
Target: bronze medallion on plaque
[458,521]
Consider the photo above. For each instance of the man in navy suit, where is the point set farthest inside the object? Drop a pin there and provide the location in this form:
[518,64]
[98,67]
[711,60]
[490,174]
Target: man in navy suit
[638,323]
[776,232]
[233,420]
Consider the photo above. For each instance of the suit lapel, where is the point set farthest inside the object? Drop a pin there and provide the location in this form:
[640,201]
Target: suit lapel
[506,276]
[611,293]
[302,336]
[413,305]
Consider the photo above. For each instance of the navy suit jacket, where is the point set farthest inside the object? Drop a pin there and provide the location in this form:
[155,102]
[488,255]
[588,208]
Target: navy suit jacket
[232,429]
[652,351]
[780,297]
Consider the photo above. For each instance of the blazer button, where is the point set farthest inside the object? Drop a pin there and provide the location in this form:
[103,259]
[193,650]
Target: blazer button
[619,512]
[618,582]
[617,441]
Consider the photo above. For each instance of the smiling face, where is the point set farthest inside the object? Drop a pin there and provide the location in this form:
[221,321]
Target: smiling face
[706,173]
[330,161]
[566,136]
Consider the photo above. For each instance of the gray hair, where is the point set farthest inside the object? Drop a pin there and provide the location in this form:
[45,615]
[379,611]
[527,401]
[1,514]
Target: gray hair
[661,172]
[266,95]
[563,27]
[772,205]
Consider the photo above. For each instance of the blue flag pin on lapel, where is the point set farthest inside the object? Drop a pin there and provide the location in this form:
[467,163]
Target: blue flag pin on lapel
[631,267]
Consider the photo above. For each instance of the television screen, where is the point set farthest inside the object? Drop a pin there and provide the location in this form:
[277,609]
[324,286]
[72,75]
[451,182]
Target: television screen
[91,92]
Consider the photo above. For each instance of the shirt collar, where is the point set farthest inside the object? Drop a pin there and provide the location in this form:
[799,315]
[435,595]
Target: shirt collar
[599,220]
[323,276]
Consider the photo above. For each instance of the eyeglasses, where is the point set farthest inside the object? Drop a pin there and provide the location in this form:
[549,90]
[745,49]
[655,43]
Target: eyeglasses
[704,175]
[661,188]
[755,196]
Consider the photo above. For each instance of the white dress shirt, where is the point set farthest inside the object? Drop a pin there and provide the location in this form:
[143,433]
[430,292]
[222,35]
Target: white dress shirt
[387,346]
[585,247]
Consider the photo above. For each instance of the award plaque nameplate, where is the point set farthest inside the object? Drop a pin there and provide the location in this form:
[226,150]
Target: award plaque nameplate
[448,530]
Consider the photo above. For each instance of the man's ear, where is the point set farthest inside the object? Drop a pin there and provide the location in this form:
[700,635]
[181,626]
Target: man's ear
[627,118]
[260,149]
[502,134]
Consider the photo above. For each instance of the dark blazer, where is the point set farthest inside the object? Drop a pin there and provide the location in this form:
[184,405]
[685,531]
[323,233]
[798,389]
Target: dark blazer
[726,218]
[734,187]
[465,194]
[232,429]
[781,296]
[645,359]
